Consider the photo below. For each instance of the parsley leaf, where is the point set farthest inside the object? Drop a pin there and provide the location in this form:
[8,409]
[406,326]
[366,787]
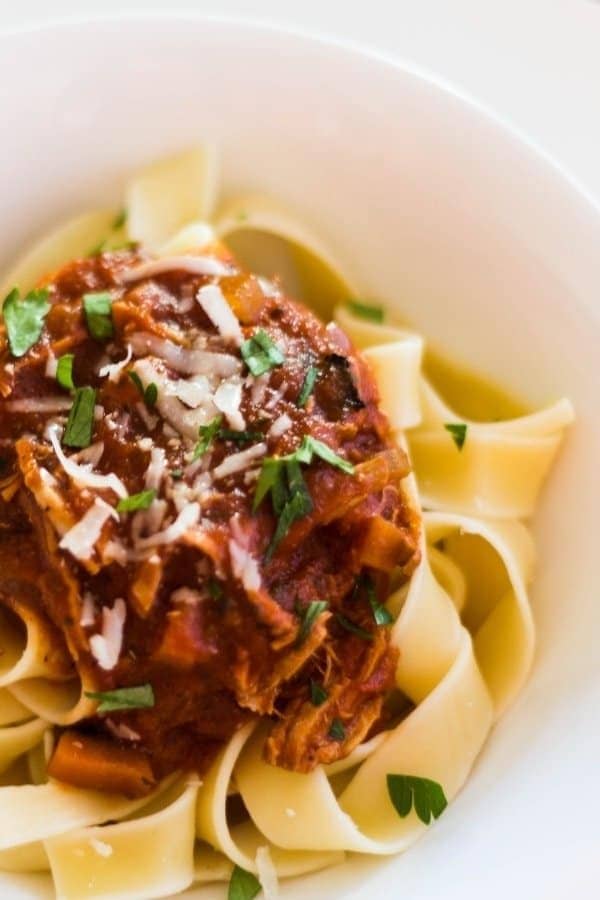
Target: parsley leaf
[353,629]
[140,697]
[148,394]
[427,796]
[381,615]
[143,500]
[64,371]
[243,885]
[80,424]
[337,732]
[312,373]
[207,435]
[366,311]
[98,315]
[120,219]
[24,319]
[260,353]
[310,614]
[318,694]
[458,432]
[310,447]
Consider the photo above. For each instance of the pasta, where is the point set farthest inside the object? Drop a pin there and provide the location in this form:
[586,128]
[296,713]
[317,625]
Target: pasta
[461,619]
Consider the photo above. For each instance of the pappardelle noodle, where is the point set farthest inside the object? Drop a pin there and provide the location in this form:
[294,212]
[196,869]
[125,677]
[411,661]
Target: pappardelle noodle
[263,592]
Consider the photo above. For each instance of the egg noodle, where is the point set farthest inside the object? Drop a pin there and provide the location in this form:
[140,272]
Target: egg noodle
[463,624]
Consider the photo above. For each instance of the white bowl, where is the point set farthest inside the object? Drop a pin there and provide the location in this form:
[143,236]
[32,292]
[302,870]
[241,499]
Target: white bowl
[467,232]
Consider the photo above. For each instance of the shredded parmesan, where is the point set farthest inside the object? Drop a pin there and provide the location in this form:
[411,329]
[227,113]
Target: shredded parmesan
[195,265]
[38,405]
[187,362]
[280,426]
[244,566]
[187,518]
[267,873]
[194,392]
[237,462]
[212,300]
[113,370]
[156,469]
[106,647]
[147,418]
[228,398]
[260,386]
[82,474]
[88,611]
[186,596]
[51,365]
[91,455]
[81,539]
[122,731]
[267,287]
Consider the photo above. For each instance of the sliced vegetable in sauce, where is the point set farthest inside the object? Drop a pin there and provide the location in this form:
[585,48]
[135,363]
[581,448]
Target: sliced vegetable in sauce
[366,310]
[64,371]
[318,694]
[207,433]
[337,732]
[139,697]
[243,885]
[98,315]
[260,353]
[312,373]
[24,319]
[353,629]
[425,795]
[80,424]
[143,500]
[148,394]
[459,433]
[310,614]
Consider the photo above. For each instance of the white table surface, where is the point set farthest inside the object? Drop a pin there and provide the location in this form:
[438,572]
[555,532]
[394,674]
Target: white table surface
[535,63]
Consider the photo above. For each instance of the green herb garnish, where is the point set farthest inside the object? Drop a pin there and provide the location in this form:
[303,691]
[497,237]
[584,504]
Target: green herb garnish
[337,732]
[310,447]
[80,424]
[215,588]
[148,394]
[353,629]
[24,319]
[98,315]
[140,697]
[308,384]
[427,796]
[64,371]
[143,500]
[310,614]
[459,433]
[207,434]
[120,219]
[318,694]
[366,311]
[381,615]
[176,474]
[243,885]
[261,354]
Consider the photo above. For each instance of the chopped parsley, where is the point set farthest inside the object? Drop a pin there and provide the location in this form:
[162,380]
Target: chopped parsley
[24,319]
[318,694]
[366,311]
[98,315]
[312,373]
[310,614]
[426,796]
[458,432]
[64,371]
[80,424]
[353,629]
[140,697]
[260,353]
[337,732]
[282,478]
[148,394]
[207,434]
[243,885]
[381,615]
[120,219]
[143,500]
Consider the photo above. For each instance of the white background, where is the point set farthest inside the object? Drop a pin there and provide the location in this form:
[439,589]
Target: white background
[536,63]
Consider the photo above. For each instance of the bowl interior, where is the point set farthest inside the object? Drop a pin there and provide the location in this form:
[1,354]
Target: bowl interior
[467,233]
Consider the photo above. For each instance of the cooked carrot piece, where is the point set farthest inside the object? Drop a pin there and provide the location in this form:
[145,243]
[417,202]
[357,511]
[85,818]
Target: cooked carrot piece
[100,764]
[385,546]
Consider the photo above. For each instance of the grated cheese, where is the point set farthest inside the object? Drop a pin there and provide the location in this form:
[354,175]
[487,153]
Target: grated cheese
[183,360]
[88,611]
[113,370]
[122,731]
[237,462]
[195,265]
[228,398]
[280,426]
[212,300]
[51,365]
[82,474]
[156,469]
[106,647]
[244,566]
[187,518]
[39,405]
[81,539]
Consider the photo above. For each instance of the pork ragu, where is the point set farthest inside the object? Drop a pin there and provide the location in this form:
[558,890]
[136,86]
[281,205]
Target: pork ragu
[201,508]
